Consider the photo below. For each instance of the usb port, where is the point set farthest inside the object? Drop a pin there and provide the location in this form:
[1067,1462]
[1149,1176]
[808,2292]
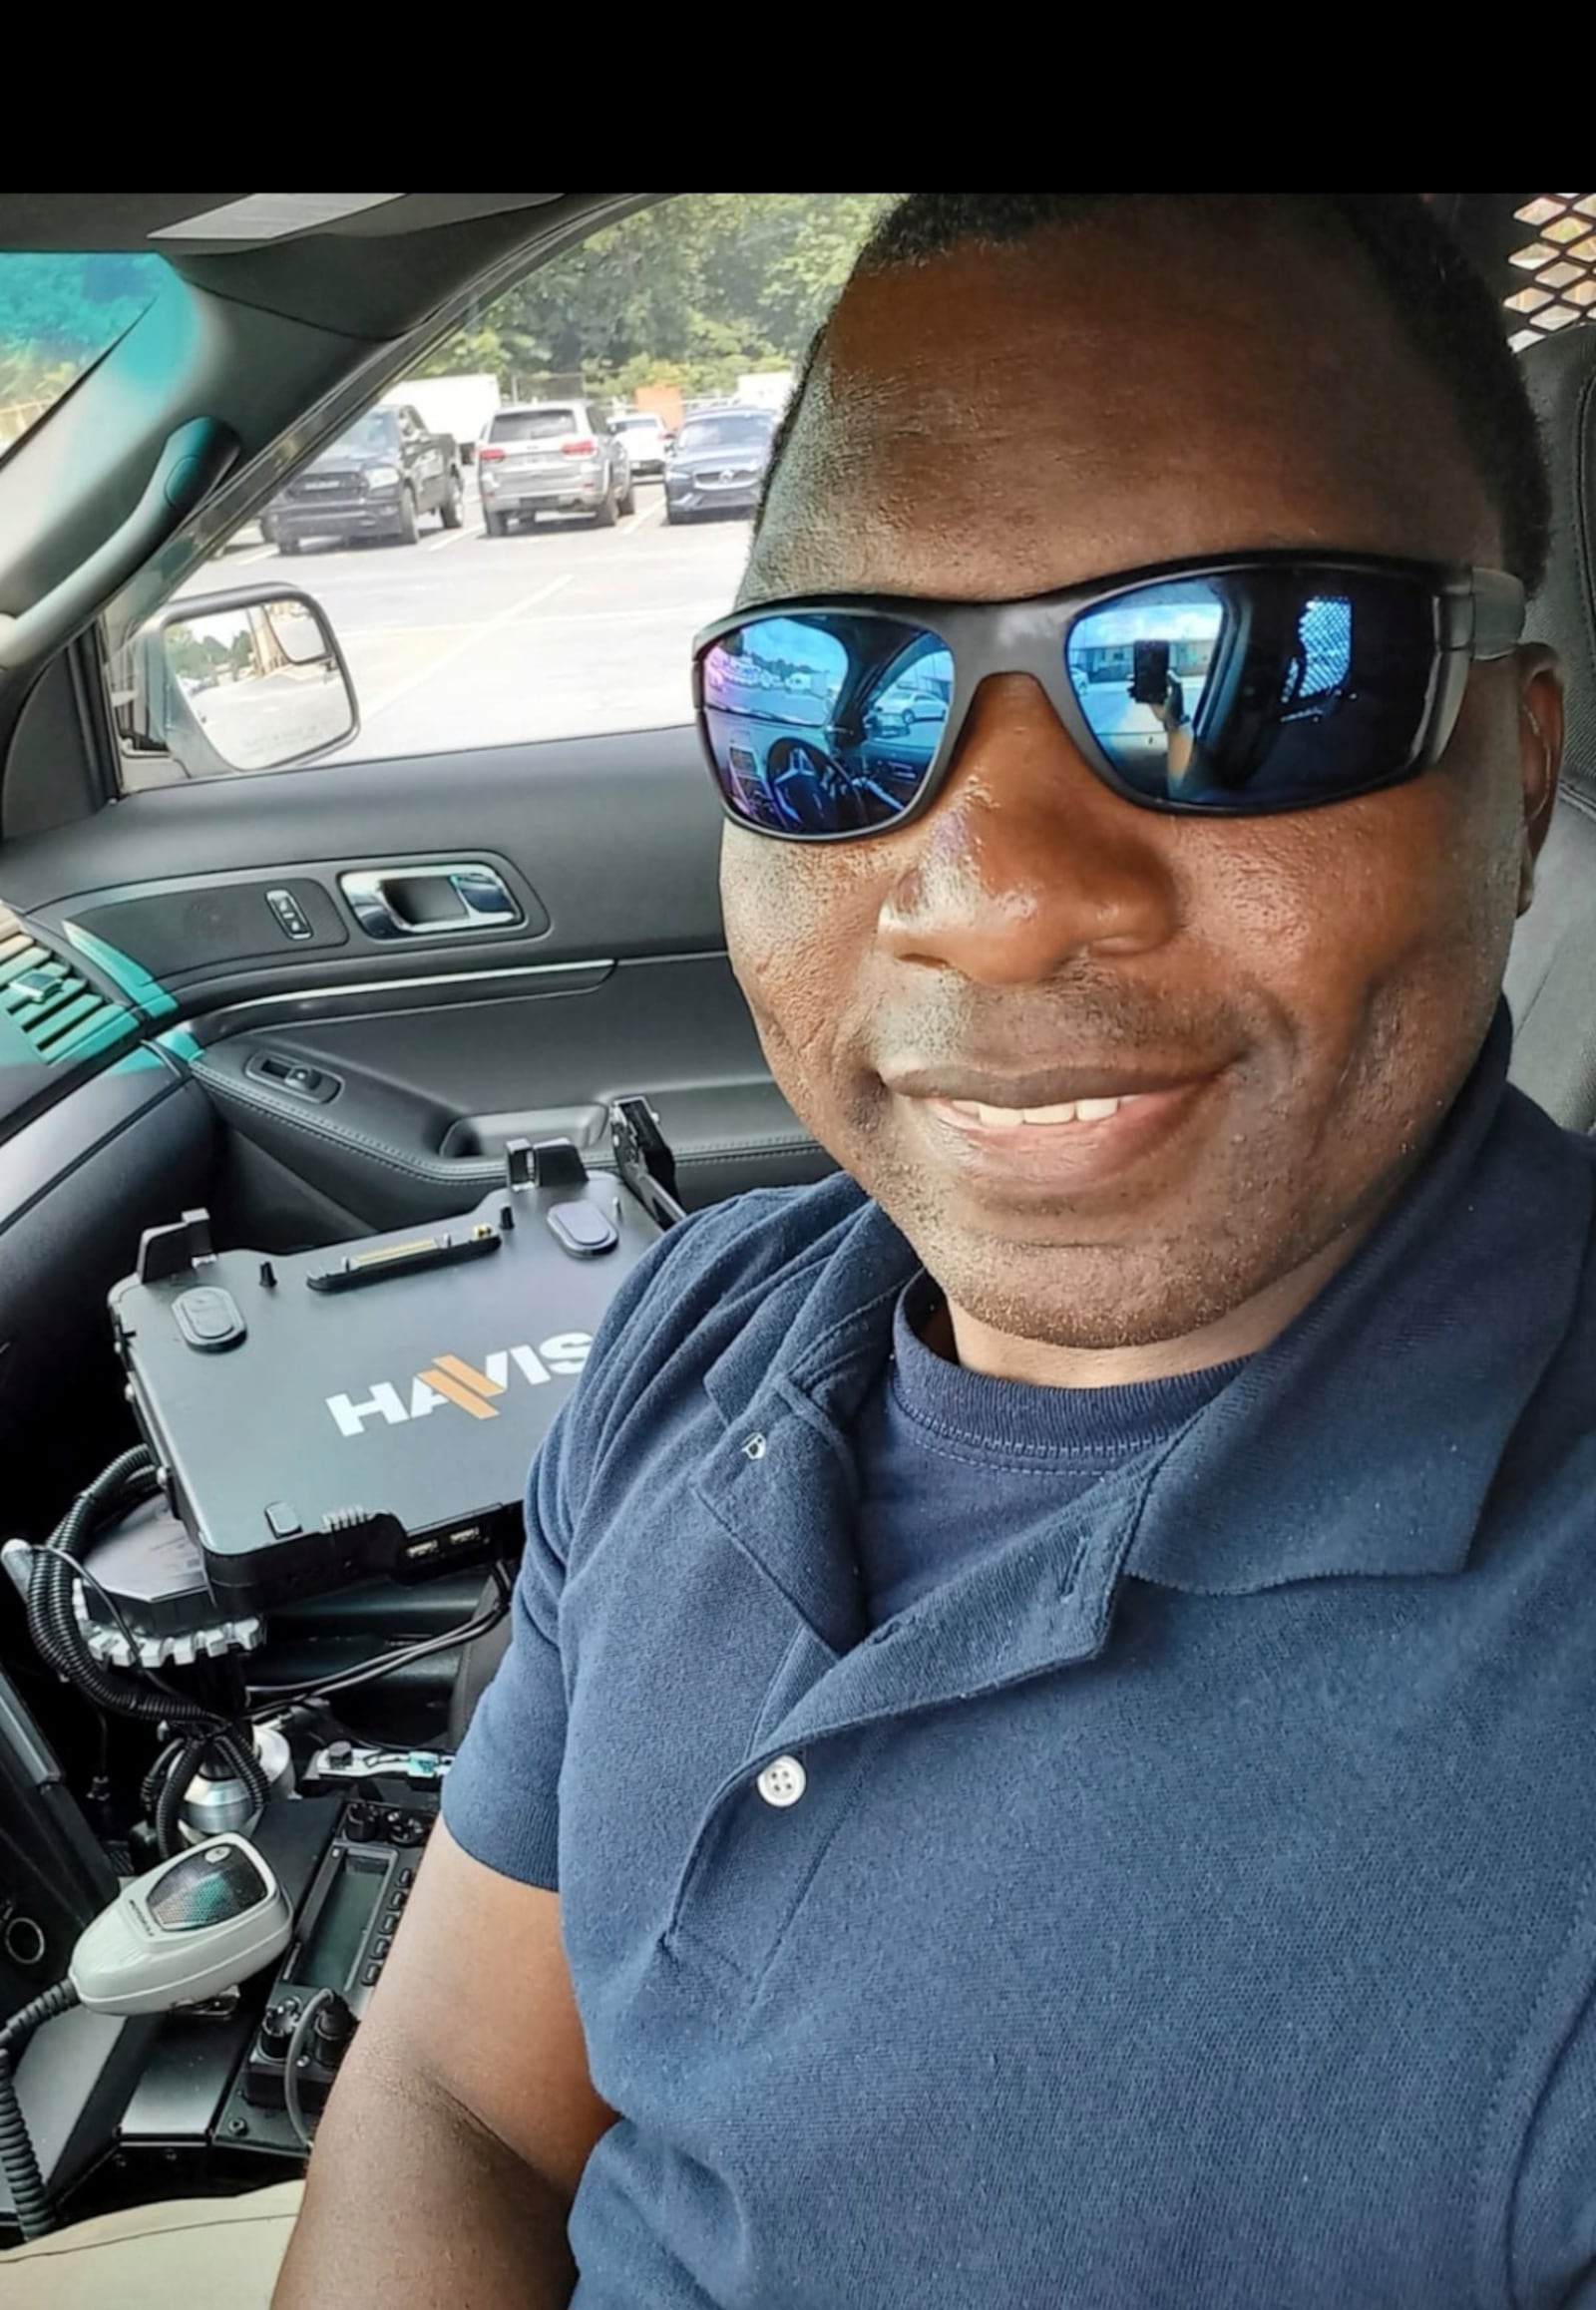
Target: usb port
[419,1550]
[465,1536]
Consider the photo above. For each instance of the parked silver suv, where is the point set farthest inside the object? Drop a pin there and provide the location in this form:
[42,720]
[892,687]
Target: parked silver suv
[551,457]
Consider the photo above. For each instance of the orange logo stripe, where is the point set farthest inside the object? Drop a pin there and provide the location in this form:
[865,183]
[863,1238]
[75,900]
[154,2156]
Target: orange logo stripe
[469,1376]
[445,1385]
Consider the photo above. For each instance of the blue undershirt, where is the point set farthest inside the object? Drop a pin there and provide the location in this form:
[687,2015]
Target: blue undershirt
[952,1462]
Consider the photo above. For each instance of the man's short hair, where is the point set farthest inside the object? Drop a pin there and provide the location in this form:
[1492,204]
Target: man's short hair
[1435,297]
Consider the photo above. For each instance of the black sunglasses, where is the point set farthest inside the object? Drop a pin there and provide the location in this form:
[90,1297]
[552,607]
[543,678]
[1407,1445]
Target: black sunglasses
[1229,687]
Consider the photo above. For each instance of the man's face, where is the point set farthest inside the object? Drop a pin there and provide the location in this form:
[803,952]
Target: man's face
[1289,1003]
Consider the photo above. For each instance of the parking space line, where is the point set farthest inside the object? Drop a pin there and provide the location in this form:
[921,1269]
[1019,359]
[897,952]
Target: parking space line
[503,617]
[449,538]
[255,554]
[649,514]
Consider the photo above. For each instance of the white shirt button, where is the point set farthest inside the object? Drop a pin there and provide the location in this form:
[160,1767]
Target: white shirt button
[783,1781]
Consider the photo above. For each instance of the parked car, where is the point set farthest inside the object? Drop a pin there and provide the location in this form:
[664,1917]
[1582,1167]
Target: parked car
[647,438]
[719,464]
[551,457]
[376,480]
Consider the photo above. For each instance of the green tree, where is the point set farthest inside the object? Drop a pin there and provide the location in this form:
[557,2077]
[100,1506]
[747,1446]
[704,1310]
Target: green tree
[777,260]
[690,293]
[185,652]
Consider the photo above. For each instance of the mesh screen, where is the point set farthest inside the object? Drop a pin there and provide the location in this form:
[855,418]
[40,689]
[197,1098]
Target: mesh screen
[1554,265]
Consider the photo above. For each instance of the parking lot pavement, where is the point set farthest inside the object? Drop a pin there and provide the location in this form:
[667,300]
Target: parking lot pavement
[465,640]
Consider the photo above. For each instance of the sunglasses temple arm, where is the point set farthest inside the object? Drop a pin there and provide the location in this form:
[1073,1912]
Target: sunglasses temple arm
[1498,614]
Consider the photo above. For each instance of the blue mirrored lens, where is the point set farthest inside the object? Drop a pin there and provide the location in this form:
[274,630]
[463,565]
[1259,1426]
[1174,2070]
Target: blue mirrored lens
[826,724]
[1257,689]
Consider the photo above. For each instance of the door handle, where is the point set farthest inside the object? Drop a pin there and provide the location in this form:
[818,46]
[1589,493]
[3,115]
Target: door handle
[429,902]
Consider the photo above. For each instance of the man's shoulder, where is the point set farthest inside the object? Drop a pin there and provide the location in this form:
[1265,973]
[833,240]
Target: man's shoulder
[751,1244]
[736,1290]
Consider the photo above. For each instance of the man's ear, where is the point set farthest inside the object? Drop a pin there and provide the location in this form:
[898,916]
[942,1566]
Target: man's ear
[1540,752]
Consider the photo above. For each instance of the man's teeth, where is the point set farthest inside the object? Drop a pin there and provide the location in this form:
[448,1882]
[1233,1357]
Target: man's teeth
[1067,1112]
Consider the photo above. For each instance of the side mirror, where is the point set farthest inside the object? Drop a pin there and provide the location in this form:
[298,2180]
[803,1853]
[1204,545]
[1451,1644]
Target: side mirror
[248,681]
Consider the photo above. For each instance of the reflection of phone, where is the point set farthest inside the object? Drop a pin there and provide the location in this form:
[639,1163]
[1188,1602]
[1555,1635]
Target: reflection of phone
[1149,672]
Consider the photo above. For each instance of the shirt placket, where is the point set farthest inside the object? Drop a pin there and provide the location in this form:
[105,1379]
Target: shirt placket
[1041,1604]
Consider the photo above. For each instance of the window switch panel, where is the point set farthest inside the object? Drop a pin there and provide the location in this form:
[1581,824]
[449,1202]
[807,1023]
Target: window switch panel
[291,1074]
[290,914]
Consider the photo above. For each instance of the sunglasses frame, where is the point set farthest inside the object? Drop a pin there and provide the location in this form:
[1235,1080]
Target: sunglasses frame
[1478,614]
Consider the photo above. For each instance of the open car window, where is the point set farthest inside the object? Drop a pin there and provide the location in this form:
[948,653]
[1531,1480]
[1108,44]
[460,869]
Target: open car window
[532,562]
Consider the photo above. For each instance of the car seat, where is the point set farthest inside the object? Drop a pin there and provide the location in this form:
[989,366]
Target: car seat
[1551,972]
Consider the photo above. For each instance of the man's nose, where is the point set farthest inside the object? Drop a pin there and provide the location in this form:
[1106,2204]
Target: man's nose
[1026,863]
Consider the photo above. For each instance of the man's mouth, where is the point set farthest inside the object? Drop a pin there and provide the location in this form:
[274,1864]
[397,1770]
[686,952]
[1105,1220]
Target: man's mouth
[1051,1094]
[1039,1119]
[1019,1141]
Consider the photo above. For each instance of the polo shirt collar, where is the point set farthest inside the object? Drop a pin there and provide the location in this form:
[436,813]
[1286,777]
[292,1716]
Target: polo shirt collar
[1364,1439]
[1362,1442]
[782,1479]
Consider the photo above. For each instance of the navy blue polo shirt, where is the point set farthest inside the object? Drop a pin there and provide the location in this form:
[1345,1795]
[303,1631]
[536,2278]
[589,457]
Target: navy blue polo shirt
[1191,1900]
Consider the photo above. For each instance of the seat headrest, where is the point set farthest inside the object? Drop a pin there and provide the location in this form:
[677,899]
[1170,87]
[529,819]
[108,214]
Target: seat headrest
[1560,373]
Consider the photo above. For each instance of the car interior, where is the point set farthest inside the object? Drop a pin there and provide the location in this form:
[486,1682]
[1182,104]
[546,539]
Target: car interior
[346,1069]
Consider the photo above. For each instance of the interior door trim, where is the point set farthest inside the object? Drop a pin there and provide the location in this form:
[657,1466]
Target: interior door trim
[225,1018]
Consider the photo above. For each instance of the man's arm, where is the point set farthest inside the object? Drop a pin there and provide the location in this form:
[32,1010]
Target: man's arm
[456,2136]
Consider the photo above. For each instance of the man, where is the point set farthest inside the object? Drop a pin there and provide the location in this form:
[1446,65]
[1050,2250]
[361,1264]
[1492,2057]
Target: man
[1048,1749]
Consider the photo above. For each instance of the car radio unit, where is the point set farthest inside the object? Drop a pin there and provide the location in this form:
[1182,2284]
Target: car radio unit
[341,1940]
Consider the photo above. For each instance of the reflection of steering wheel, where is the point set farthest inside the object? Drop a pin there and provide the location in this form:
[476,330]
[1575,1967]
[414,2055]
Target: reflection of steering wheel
[815,791]
[802,778]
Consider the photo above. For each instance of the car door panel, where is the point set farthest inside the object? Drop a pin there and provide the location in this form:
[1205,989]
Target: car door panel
[411,1108]
[210,937]
[616,838]
[440,1043]
[195,931]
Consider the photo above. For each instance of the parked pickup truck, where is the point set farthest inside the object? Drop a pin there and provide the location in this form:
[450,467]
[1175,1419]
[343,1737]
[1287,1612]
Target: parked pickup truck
[375,481]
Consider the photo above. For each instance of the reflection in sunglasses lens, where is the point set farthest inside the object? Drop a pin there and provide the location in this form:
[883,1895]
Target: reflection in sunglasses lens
[1140,667]
[826,723]
[1256,690]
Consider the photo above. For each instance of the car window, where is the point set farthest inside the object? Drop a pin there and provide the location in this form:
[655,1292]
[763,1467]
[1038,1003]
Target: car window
[377,430]
[724,432]
[514,593]
[58,313]
[533,425]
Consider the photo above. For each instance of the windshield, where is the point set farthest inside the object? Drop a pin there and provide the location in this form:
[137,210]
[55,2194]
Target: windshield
[58,313]
[724,432]
[534,424]
[639,425]
[377,430]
